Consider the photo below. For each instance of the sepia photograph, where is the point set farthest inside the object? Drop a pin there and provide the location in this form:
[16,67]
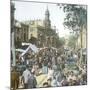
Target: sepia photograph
[48,44]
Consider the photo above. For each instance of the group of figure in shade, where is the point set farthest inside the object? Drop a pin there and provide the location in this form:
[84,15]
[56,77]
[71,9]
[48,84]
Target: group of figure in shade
[52,63]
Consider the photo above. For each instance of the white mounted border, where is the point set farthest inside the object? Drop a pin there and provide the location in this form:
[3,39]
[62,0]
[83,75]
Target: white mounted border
[5,44]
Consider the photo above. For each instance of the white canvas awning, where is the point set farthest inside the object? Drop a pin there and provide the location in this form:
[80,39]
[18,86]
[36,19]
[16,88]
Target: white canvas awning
[20,50]
[31,46]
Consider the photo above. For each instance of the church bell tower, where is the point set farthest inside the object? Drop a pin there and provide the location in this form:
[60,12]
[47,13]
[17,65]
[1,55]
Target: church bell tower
[47,21]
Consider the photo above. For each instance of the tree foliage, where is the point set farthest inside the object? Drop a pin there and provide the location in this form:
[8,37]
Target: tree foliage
[72,41]
[76,16]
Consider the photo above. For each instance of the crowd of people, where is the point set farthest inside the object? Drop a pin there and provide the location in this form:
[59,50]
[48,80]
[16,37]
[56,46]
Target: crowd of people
[53,63]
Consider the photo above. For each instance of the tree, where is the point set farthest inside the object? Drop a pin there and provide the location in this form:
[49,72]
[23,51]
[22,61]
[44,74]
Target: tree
[76,18]
[60,42]
[72,41]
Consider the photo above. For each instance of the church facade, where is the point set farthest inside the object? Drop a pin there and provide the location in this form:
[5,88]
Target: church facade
[41,30]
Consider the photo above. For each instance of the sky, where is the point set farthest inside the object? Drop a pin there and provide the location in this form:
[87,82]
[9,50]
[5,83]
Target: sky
[32,11]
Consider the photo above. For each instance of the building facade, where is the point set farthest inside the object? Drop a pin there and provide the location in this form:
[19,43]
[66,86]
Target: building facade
[47,22]
[21,33]
[39,31]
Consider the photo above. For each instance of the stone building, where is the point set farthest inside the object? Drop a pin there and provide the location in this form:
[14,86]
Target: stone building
[39,32]
[21,33]
[33,27]
[42,30]
[47,22]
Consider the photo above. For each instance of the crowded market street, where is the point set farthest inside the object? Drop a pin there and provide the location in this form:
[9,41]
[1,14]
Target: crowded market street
[48,48]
